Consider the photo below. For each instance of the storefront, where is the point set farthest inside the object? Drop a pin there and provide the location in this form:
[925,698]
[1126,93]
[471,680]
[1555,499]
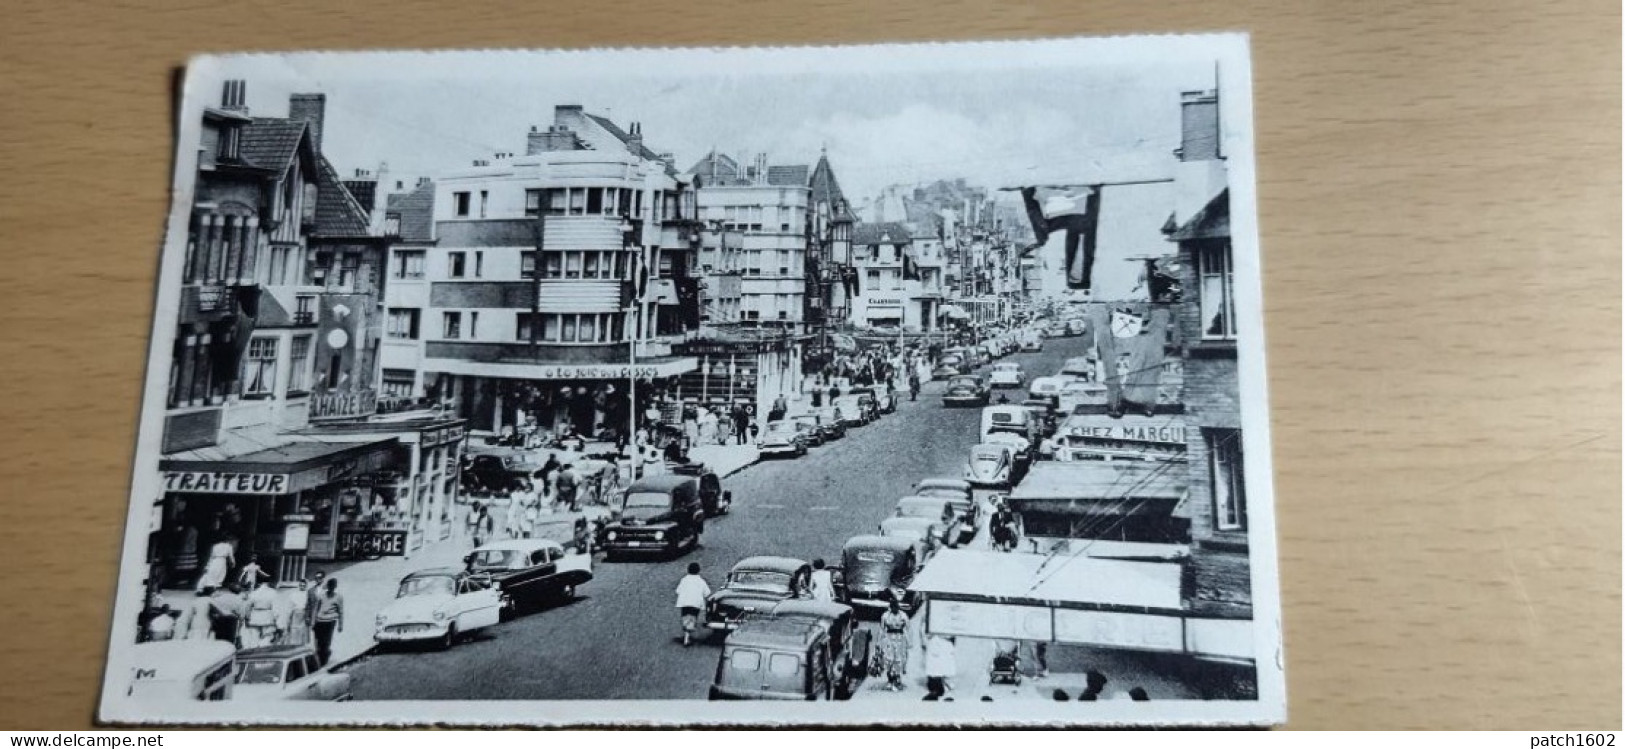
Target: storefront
[281,504]
[1102,437]
[750,372]
[1132,502]
[591,399]
[414,496]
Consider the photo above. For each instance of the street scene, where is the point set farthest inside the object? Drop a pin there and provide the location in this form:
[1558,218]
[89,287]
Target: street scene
[639,393]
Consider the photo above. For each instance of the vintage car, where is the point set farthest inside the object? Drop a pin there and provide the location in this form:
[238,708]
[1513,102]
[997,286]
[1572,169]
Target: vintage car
[877,569]
[981,355]
[438,606]
[1081,367]
[1006,375]
[798,650]
[1077,326]
[182,670]
[829,420]
[958,492]
[885,399]
[932,508]
[754,585]
[966,390]
[853,410]
[1045,391]
[497,474]
[1032,342]
[1091,396]
[659,514]
[782,438]
[1056,329]
[287,672]
[712,496]
[992,465]
[528,572]
[1008,419]
[950,365]
[925,534]
[811,427]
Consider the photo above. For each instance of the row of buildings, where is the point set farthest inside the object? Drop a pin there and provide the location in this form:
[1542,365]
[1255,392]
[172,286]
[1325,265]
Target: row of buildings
[338,336]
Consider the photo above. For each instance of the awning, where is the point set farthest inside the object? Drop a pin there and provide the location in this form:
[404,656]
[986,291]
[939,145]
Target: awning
[954,311]
[1059,580]
[645,368]
[1088,484]
[282,469]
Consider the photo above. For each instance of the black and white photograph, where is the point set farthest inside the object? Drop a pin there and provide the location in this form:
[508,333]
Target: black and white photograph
[647,387]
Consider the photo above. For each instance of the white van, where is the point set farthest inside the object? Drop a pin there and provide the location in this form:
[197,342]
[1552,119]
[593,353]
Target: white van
[1012,419]
[180,670]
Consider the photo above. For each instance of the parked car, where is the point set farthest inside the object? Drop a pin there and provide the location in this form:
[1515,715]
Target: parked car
[885,399]
[1081,367]
[966,390]
[829,420]
[287,672]
[182,670]
[1077,326]
[1006,375]
[713,498]
[754,585]
[1045,391]
[1032,342]
[878,569]
[933,508]
[958,492]
[1056,329]
[800,650]
[1077,394]
[981,355]
[497,474]
[528,572]
[950,365]
[438,606]
[992,465]
[782,438]
[660,514]
[925,534]
[810,427]
[852,410]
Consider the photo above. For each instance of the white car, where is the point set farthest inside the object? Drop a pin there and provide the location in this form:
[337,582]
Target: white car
[287,672]
[1006,375]
[782,438]
[1081,393]
[438,605]
[991,464]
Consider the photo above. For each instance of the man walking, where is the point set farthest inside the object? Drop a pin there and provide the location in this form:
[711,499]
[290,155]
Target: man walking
[741,424]
[692,594]
[568,486]
[914,385]
[329,618]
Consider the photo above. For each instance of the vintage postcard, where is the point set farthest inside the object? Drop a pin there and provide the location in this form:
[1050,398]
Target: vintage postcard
[714,386]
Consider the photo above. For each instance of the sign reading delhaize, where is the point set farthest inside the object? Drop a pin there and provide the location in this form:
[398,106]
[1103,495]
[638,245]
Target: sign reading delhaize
[217,482]
[343,405]
[589,372]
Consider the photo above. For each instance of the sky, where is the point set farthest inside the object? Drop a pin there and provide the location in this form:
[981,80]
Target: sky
[994,124]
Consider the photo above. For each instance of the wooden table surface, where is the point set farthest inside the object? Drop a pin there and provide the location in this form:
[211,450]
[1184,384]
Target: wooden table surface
[1439,192]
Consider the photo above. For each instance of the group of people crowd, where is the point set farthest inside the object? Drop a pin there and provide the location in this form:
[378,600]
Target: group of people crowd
[247,610]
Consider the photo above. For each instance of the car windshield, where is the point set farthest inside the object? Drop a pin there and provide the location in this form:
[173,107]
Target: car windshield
[780,428]
[951,360]
[259,672]
[648,500]
[434,585]
[988,454]
[761,579]
[496,558]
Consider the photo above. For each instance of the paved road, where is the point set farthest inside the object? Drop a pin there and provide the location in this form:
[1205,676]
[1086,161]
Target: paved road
[621,638]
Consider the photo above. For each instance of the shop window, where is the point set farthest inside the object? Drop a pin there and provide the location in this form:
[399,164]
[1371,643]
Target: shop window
[299,364]
[456,264]
[459,204]
[259,367]
[397,383]
[1213,266]
[1225,472]
[453,326]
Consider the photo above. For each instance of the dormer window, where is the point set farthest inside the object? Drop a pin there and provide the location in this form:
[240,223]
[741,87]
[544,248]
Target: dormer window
[230,139]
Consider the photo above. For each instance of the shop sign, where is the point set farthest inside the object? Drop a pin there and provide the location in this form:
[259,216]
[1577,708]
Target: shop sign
[210,298]
[220,482]
[989,620]
[1170,433]
[442,436]
[589,372]
[885,302]
[357,544]
[296,537]
[344,405]
[1113,629]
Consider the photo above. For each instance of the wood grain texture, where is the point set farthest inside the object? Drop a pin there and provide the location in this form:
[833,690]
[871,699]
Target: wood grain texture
[1439,193]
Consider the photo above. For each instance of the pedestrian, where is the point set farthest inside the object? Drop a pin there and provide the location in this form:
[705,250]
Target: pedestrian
[253,574]
[484,529]
[328,619]
[568,489]
[894,644]
[532,513]
[313,592]
[222,556]
[691,422]
[692,594]
[741,423]
[817,398]
[260,627]
[941,661]
[914,385]
[296,626]
[471,524]
[226,613]
[778,410]
[822,582]
[708,426]
[198,624]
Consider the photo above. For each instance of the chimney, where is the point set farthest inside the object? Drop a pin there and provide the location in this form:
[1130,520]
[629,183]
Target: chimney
[557,138]
[1199,126]
[569,115]
[634,140]
[312,108]
[234,96]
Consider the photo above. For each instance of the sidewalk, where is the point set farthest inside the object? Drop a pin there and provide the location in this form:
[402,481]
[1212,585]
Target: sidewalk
[725,460]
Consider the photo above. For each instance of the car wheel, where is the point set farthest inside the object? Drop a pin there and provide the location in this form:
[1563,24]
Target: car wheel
[567,593]
[450,637]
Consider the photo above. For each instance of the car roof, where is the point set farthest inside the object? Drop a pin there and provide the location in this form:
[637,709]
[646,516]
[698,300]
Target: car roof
[663,482]
[987,447]
[820,609]
[771,563]
[888,543]
[943,484]
[519,544]
[276,652]
[434,572]
[919,500]
[775,632]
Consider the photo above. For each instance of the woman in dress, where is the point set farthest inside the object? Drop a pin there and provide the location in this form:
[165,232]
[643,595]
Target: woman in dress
[894,645]
[221,558]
